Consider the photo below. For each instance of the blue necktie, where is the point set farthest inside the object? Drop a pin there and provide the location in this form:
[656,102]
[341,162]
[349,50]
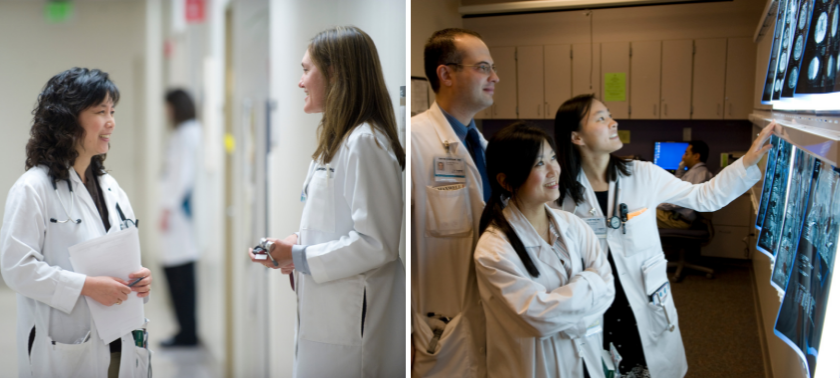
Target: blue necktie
[473,143]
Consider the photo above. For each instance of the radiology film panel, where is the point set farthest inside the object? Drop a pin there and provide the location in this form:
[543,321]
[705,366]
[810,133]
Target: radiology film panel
[768,238]
[818,67]
[800,319]
[770,82]
[806,170]
[798,40]
[769,170]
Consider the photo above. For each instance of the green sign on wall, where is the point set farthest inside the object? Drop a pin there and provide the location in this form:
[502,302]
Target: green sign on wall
[56,12]
[615,86]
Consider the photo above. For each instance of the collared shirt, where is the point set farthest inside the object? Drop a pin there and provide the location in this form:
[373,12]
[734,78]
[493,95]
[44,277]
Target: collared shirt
[698,174]
[459,128]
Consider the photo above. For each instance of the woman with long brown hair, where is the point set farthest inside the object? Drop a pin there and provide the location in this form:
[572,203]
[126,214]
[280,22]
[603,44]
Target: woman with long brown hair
[348,277]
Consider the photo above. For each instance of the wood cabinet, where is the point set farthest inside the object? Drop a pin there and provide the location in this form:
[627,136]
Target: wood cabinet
[530,82]
[615,58]
[676,79]
[740,76]
[709,78]
[586,69]
[504,98]
[645,76]
[558,77]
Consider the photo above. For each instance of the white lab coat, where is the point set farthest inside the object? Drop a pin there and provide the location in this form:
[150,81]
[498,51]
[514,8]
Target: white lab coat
[647,187]
[351,224]
[35,262]
[537,326]
[178,242]
[444,231]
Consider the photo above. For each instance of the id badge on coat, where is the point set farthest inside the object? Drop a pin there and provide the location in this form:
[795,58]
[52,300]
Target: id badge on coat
[598,225]
[449,169]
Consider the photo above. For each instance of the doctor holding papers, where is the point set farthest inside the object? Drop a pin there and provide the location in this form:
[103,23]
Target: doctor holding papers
[116,255]
[69,246]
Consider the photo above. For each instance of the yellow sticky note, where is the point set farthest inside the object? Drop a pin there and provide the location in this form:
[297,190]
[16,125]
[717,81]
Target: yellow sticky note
[615,86]
[624,136]
[230,143]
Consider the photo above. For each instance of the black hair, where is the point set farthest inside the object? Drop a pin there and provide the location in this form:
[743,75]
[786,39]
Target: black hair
[440,49]
[55,126]
[700,147]
[182,104]
[512,151]
[569,118]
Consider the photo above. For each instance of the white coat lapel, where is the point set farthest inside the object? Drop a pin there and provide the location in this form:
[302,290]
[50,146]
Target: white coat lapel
[594,208]
[447,136]
[533,241]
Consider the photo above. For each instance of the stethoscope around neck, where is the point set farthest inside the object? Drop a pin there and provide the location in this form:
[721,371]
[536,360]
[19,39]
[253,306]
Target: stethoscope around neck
[123,225]
[619,217]
[72,202]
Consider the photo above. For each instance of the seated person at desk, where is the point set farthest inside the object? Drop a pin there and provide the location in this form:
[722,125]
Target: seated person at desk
[692,169]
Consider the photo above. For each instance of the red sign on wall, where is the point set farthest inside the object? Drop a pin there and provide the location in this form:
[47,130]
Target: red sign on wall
[194,11]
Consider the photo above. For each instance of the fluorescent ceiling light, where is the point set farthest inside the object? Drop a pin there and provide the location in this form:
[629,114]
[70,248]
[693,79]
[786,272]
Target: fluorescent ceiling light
[557,5]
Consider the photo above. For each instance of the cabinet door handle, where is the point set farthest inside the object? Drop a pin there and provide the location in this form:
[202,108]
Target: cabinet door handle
[546,109]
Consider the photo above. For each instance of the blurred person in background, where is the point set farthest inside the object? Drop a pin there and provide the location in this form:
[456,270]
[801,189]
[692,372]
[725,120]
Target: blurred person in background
[349,280]
[179,248]
[66,198]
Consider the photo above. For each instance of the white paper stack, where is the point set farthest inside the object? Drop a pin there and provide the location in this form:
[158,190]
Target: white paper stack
[114,255]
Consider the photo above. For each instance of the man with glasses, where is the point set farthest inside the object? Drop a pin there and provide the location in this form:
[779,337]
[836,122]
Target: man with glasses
[449,189]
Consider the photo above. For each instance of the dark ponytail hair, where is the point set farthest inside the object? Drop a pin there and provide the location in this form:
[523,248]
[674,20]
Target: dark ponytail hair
[569,118]
[512,151]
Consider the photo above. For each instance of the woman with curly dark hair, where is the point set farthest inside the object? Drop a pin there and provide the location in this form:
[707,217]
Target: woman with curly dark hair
[64,198]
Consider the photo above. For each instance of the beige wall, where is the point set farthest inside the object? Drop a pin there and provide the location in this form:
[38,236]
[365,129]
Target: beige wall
[428,17]
[104,35]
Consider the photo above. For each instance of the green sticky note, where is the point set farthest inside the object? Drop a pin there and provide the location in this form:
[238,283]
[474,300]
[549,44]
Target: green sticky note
[624,136]
[56,12]
[615,86]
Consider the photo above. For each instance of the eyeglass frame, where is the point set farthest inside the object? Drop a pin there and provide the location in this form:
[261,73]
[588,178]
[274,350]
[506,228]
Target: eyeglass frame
[491,66]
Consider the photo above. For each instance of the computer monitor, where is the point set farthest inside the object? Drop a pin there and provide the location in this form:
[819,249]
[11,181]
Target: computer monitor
[668,155]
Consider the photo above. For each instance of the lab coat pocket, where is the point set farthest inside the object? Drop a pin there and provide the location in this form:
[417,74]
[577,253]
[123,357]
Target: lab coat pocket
[637,237]
[319,210]
[54,359]
[659,324]
[331,312]
[655,276]
[448,213]
[142,362]
[451,355]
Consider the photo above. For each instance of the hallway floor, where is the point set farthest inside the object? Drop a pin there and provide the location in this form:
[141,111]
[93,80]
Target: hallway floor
[166,363]
[718,320]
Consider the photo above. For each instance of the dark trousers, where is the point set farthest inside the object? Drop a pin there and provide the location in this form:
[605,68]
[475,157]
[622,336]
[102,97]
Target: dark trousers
[181,280]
